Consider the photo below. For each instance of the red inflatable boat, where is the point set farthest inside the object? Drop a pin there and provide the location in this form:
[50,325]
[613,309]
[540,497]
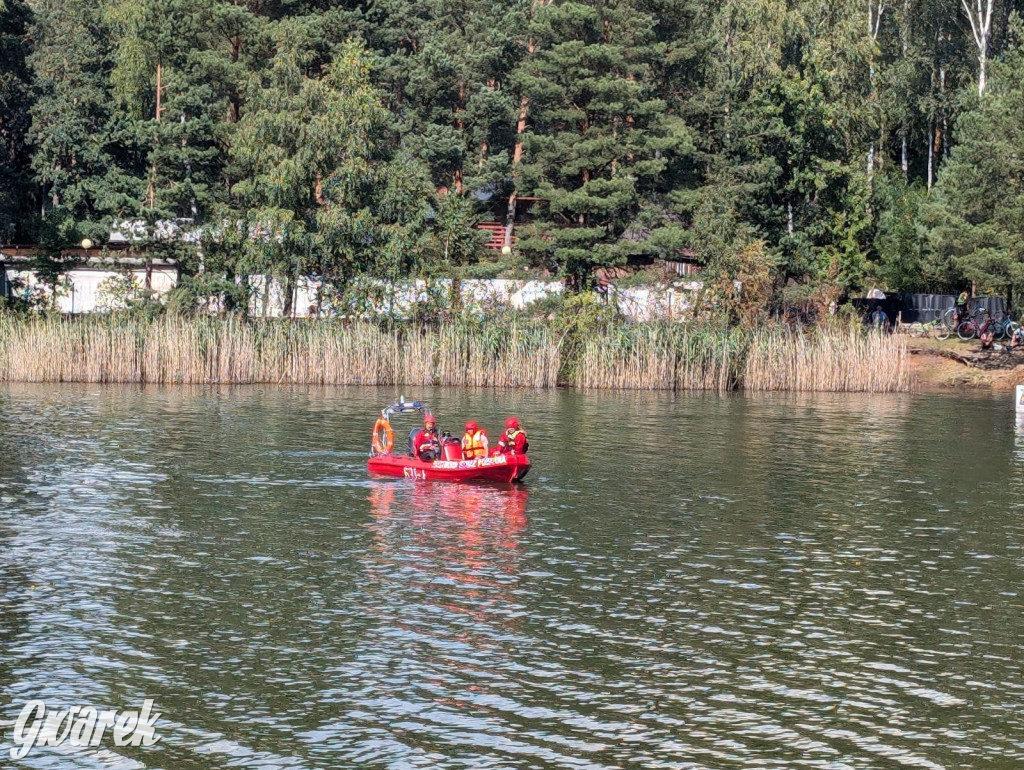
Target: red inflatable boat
[449,467]
[498,468]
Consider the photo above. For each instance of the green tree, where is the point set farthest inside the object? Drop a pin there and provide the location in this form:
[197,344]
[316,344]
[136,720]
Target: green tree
[976,217]
[320,191]
[15,84]
[599,141]
[86,154]
[446,68]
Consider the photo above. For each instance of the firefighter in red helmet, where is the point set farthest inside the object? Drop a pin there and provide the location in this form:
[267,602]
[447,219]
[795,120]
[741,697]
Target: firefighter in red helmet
[474,442]
[513,440]
[427,445]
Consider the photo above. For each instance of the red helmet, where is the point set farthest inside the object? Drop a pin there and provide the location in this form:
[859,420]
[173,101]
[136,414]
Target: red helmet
[511,422]
[428,419]
[470,425]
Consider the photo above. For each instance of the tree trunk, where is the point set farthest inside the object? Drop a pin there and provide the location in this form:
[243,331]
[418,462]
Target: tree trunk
[517,154]
[874,22]
[904,130]
[980,17]
[234,107]
[156,137]
[289,299]
[904,152]
[931,140]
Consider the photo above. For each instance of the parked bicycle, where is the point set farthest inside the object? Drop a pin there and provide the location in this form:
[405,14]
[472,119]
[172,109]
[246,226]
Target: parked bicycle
[1004,327]
[950,318]
[934,329]
[977,324]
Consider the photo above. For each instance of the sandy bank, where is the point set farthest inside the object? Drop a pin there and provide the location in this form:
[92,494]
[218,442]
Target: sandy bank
[956,364]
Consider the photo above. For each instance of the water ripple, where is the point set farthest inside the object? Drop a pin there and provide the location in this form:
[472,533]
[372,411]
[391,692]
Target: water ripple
[761,581]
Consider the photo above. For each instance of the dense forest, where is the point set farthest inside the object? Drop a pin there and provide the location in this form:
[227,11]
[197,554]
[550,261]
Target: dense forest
[808,149]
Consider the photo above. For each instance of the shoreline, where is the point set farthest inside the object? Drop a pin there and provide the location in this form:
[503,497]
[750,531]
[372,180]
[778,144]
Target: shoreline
[953,365]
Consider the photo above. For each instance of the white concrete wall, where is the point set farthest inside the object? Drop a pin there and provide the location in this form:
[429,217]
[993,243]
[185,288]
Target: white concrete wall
[266,297]
[647,303]
[640,303]
[83,293]
[80,290]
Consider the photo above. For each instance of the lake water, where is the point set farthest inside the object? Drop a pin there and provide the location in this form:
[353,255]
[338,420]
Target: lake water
[685,581]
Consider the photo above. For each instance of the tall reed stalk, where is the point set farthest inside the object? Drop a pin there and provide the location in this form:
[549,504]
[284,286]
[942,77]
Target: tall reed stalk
[230,350]
[661,356]
[835,360]
[483,354]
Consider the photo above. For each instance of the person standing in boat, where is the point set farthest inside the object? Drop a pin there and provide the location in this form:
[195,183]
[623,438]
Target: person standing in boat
[474,442]
[513,440]
[427,444]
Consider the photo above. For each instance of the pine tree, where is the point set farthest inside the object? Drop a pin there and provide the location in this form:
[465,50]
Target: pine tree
[85,153]
[15,83]
[599,139]
[163,88]
[977,215]
[446,67]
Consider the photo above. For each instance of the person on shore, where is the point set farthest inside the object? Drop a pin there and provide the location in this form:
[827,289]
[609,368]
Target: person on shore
[513,440]
[1016,339]
[879,319]
[428,445]
[474,442]
[961,307]
[987,337]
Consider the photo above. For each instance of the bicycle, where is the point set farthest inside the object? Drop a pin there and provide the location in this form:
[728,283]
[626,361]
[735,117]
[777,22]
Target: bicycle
[934,329]
[938,330]
[950,318]
[939,327]
[972,327]
[1004,327]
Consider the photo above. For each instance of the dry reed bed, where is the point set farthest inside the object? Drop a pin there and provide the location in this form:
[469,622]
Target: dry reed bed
[207,350]
[212,350]
[835,360]
[677,357]
[661,357]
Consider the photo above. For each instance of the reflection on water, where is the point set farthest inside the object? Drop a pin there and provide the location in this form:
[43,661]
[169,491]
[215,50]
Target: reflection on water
[684,581]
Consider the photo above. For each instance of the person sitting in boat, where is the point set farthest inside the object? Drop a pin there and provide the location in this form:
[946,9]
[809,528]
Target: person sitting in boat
[513,440]
[427,444]
[474,442]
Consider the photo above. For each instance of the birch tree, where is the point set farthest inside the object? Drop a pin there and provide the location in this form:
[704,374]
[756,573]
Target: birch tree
[979,14]
[876,9]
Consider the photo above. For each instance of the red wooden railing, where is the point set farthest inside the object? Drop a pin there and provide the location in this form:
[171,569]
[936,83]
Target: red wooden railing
[497,231]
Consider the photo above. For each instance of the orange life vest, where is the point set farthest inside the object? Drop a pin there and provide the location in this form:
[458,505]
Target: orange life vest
[474,445]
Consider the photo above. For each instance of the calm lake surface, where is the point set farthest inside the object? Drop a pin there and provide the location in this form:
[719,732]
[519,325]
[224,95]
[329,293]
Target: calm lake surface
[688,581]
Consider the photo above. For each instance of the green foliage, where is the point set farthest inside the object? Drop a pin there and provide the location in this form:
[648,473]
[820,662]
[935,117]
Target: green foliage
[206,294]
[444,67]
[901,241]
[320,187]
[977,216]
[16,193]
[86,155]
[787,145]
[600,142]
[123,295]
